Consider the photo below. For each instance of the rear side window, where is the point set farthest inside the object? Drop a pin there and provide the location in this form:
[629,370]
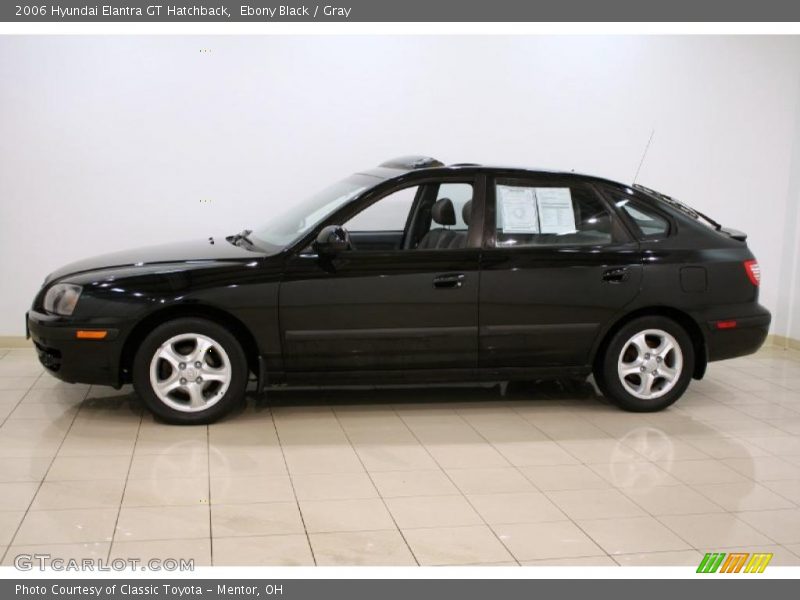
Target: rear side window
[648,221]
[529,214]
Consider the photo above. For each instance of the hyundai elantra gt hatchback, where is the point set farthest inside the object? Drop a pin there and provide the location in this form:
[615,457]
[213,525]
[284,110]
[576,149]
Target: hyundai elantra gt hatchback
[410,273]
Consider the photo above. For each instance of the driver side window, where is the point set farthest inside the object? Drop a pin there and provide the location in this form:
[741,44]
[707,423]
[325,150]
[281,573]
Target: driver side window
[430,216]
[387,214]
[382,225]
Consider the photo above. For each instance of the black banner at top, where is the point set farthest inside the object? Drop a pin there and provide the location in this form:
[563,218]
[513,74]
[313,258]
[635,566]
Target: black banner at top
[255,11]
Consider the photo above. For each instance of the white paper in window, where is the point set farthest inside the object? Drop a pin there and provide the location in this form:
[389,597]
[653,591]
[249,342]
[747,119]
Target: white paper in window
[518,209]
[556,214]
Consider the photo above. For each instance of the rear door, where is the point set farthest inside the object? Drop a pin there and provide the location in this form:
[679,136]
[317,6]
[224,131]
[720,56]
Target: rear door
[557,266]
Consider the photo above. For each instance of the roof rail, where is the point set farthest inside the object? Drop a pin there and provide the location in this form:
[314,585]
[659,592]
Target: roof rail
[412,162]
[467,164]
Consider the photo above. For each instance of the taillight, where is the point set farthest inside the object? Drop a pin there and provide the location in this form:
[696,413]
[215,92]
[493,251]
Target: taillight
[753,271]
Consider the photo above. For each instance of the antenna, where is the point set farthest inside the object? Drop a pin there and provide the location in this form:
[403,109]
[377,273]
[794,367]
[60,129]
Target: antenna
[644,154]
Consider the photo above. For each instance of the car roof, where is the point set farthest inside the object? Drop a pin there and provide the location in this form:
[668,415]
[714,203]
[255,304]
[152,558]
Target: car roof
[404,165]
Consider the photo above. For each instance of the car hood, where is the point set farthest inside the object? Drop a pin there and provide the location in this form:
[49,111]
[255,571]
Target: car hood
[179,252]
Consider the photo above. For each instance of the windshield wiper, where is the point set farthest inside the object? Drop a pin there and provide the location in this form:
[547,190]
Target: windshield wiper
[240,237]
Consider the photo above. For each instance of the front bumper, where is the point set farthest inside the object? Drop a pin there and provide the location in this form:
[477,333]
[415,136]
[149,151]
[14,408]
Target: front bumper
[75,360]
[746,337]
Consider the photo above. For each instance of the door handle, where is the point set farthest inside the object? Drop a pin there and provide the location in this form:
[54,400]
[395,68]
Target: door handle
[450,280]
[615,275]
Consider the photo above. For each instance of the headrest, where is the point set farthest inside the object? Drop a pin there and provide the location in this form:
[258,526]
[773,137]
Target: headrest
[443,212]
[466,211]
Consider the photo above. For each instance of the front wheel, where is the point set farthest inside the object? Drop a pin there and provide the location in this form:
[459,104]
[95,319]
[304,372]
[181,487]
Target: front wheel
[190,371]
[647,365]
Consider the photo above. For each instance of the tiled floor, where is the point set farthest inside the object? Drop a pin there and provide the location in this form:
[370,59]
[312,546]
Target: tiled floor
[546,474]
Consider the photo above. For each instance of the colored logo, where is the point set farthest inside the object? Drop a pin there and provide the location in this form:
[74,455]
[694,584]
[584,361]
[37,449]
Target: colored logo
[735,562]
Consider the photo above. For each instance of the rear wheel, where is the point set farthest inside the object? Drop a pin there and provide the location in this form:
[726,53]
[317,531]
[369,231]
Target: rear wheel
[190,371]
[647,365]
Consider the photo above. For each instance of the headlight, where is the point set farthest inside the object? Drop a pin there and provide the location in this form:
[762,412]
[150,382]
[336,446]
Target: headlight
[62,298]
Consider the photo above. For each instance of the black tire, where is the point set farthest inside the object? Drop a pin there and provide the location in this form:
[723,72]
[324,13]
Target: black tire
[237,382]
[608,378]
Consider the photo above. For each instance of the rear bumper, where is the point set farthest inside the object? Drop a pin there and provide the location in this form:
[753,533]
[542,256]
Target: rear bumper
[746,337]
[70,359]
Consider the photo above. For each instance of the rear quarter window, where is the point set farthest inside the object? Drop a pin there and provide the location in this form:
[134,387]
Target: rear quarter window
[647,220]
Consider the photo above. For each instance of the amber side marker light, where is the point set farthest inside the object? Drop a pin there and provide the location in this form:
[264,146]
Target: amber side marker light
[91,334]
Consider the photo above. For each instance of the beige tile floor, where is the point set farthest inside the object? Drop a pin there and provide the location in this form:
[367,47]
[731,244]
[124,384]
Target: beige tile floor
[545,474]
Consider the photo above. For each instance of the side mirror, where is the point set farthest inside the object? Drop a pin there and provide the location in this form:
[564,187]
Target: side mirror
[332,240]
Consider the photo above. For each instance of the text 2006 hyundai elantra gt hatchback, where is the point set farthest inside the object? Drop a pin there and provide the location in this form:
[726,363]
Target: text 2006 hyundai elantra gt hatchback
[416,272]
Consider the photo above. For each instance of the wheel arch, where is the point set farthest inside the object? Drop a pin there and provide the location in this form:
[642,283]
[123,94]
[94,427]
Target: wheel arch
[204,311]
[685,320]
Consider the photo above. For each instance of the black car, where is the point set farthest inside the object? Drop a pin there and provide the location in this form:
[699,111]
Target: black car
[416,272]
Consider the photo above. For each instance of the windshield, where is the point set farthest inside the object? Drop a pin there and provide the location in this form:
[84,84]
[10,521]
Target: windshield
[300,218]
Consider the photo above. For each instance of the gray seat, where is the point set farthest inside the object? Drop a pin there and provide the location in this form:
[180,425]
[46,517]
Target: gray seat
[466,212]
[460,238]
[444,214]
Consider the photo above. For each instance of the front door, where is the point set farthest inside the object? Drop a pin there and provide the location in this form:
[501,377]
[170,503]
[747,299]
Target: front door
[404,298]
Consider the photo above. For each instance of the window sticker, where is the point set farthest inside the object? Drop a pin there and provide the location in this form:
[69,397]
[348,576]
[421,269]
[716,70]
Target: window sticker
[556,213]
[536,210]
[518,209]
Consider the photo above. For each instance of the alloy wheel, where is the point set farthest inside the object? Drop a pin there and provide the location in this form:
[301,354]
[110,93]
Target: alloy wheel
[650,364]
[190,372]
